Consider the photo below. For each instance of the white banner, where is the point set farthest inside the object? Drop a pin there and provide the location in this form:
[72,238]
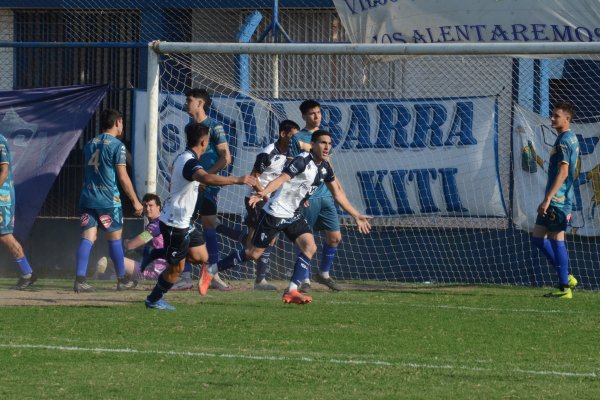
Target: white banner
[494,21]
[394,157]
[532,141]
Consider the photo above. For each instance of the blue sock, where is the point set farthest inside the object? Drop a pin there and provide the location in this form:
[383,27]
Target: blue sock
[24,266]
[115,251]
[188,267]
[301,268]
[562,261]
[83,257]
[161,287]
[262,264]
[327,258]
[233,259]
[210,236]
[546,248]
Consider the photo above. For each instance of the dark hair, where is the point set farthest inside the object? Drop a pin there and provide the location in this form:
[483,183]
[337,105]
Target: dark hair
[308,105]
[194,131]
[108,119]
[152,196]
[200,94]
[317,134]
[566,107]
[287,126]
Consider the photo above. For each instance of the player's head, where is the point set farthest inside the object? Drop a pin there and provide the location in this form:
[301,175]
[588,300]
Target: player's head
[321,144]
[197,99]
[152,205]
[111,120]
[287,129]
[196,135]
[311,113]
[562,115]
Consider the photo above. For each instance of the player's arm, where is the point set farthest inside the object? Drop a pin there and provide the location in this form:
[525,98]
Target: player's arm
[224,158]
[205,178]
[139,240]
[304,146]
[274,185]
[3,173]
[561,176]
[127,186]
[340,197]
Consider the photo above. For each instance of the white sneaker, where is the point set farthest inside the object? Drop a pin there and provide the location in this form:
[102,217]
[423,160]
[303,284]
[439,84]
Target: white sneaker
[219,284]
[183,284]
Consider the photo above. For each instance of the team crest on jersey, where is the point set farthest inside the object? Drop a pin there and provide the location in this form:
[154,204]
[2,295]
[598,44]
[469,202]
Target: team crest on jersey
[105,220]
[84,219]
[5,199]
[324,171]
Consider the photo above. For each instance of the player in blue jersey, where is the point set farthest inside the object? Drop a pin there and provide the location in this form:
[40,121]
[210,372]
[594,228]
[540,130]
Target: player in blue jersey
[300,177]
[320,212]
[181,238]
[215,159]
[554,212]
[100,201]
[7,217]
[268,165]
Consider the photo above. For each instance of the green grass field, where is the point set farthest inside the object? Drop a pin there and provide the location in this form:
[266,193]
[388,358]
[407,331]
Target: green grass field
[414,343]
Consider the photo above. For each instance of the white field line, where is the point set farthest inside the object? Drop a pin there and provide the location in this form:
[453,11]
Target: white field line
[288,359]
[466,308]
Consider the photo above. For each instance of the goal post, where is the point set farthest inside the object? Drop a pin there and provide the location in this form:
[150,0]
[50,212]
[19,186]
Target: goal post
[445,145]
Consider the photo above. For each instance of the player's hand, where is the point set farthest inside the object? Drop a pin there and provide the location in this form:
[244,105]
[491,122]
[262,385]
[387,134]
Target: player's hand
[254,200]
[247,180]
[364,226]
[305,204]
[138,208]
[201,187]
[543,208]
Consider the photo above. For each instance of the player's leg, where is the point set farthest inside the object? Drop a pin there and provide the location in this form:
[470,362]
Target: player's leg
[206,207]
[328,221]
[176,244]
[301,235]
[311,215]
[111,221]
[556,224]
[262,262]
[185,281]
[7,226]
[88,221]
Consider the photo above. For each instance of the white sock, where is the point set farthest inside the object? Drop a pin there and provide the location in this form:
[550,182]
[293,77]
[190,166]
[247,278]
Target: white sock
[292,286]
[26,276]
[306,281]
[324,274]
[213,269]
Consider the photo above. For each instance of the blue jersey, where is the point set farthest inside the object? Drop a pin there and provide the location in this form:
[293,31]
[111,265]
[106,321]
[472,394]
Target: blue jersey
[101,156]
[565,149]
[295,149]
[7,191]
[217,136]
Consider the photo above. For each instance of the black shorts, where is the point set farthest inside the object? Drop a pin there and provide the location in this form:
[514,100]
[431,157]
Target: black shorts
[555,220]
[269,226]
[206,204]
[177,241]
[252,213]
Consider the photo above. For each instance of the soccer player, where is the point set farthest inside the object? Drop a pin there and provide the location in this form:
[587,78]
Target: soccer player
[181,238]
[554,212]
[100,202]
[299,179]
[7,217]
[320,212]
[150,238]
[268,165]
[215,159]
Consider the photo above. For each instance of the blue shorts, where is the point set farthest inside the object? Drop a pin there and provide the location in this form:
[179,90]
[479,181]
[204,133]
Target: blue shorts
[7,219]
[321,214]
[207,202]
[107,219]
[555,220]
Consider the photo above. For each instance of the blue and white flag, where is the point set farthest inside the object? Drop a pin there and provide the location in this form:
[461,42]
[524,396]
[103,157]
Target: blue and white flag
[394,157]
[42,126]
[455,21]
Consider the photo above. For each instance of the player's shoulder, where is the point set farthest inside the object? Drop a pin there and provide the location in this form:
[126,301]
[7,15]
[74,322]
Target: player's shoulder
[269,149]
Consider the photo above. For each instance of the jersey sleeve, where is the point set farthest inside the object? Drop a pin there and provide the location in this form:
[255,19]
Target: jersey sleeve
[294,148]
[152,230]
[565,151]
[192,165]
[329,175]
[262,162]
[4,159]
[120,155]
[295,167]
[217,135]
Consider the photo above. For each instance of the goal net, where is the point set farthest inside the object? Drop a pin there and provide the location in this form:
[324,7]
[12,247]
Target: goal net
[448,153]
